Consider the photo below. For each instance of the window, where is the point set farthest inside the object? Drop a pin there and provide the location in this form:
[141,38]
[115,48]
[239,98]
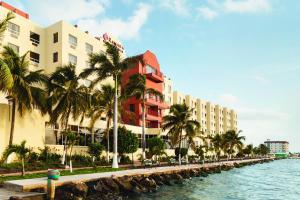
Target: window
[14,29]
[55,37]
[88,48]
[55,57]
[34,38]
[14,47]
[72,41]
[132,108]
[170,89]
[34,57]
[72,59]
[150,70]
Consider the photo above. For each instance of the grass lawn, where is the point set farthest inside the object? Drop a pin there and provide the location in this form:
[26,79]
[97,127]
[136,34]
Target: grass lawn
[62,173]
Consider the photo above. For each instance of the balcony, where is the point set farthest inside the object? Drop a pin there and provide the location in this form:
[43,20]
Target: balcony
[153,74]
[34,38]
[150,117]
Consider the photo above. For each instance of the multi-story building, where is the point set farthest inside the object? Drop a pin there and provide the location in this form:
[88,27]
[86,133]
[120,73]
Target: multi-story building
[213,119]
[147,65]
[49,47]
[277,146]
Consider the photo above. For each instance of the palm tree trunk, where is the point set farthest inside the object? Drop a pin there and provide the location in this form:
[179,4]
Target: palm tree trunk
[65,143]
[115,151]
[143,130]
[12,127]
[179,156]
[23,167]
[107,138]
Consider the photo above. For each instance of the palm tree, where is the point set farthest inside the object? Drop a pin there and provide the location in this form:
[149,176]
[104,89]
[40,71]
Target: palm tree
[103,103]
[105,65]
[6,79]
[232,140]
[178,121]
[248,150]
[72,139]
[67,97]
[27,90]
[20,150]
[136,87]
[216,141]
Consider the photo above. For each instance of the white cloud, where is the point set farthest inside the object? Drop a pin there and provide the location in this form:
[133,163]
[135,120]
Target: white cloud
[261,79]
[179,7]
[120,28]
[228,99]
[213,8]
[245,6]
[207,12]
[50,11]
[261,114]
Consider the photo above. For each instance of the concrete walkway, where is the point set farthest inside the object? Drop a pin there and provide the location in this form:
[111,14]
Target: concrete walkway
[29,184]
[6,194]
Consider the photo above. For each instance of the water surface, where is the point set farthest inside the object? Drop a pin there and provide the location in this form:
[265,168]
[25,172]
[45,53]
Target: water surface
[278,180]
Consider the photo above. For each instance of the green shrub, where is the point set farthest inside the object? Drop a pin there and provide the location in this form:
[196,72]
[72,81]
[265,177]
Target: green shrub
[125,160]
[33,157]
[183,152]
[95,150]
[156,146]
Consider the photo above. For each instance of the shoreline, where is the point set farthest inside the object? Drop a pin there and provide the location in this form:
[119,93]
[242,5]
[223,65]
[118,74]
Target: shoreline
[116,188]
[121,184]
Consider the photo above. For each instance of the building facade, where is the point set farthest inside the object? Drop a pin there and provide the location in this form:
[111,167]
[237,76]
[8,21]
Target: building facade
[49,47]
[213,119]
[62,43]
[277,146]
[148,66]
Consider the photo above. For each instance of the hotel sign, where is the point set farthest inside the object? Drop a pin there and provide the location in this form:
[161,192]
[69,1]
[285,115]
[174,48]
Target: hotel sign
[108,39]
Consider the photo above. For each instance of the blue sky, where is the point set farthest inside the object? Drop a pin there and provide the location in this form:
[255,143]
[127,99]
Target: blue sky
[239,53]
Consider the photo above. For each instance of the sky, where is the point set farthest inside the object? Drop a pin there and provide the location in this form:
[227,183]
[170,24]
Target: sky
[243,54]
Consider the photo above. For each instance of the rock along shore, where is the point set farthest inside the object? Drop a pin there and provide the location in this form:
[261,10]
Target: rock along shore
[118,188]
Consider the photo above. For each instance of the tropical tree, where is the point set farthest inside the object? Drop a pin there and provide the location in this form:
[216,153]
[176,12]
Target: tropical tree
[6,78]
[200,151]
[128,141]
[232,140]
[105,65]
[67,97]
[263,149]
[178,121]
[248,150]
[156,147]
[103,104]
[72,140]
[27,90]
[21,151]
[95,150]
[216,142]
[136,87]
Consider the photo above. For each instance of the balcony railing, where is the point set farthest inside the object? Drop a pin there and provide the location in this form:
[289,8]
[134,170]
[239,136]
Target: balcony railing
[35,41]
[156,76]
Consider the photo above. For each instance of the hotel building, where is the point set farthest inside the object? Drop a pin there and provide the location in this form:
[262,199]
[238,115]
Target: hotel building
[213,119]
[62,43]
[49,47]
[277,146]
[148,66]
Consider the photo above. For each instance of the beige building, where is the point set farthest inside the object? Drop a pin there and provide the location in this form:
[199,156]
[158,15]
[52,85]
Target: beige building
[277,146]
[213,119]
[48,47]
[60,44]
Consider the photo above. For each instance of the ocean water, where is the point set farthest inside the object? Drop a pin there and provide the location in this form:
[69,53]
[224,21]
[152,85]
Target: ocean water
[278,180]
